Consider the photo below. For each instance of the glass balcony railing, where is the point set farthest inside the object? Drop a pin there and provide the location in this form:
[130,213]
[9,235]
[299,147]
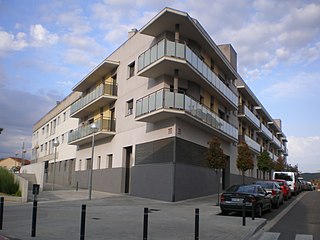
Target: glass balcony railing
[182,51]
[243,109]
[165,99]
[103,124]
[277,142]
[252,143]
[102,89]
[266,131]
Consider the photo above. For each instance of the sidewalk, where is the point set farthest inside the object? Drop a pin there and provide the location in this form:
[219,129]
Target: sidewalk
[114,216]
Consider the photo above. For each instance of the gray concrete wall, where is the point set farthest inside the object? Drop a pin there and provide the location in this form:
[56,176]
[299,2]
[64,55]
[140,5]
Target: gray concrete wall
[152,181]
[105,180]
[193,181]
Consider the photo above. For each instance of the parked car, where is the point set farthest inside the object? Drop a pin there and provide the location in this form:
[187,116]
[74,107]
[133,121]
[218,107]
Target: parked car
[285,188]
[232,199]
[275,190]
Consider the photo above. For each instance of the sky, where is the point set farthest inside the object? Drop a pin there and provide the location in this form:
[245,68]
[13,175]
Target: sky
[47,46]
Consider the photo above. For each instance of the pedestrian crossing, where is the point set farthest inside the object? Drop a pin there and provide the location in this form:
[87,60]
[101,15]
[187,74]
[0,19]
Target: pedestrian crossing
[275,236]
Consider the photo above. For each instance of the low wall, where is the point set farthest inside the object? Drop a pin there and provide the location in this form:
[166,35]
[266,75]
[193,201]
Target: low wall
[37,169]
[23,187]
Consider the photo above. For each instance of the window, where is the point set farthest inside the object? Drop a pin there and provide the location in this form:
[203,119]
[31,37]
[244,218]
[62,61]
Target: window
[130,107]
[98,162]
[110,158]
[80,161]
[131,69]
[62,138]
[64,116]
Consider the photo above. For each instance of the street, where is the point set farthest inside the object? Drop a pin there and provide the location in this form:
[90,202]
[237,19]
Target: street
[302,222]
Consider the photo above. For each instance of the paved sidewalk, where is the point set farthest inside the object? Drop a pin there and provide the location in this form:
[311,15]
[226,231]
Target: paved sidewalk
[114,216]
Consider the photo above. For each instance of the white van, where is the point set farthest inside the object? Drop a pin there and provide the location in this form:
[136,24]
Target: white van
[291,178]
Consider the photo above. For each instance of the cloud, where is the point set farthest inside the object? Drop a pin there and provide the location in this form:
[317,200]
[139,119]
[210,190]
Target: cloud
[41,36]
[305,152]
[19,111]
[11,42]
[294,86]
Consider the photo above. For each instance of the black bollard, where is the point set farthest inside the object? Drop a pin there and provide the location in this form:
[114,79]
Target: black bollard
[252,213]
[196,228]
[1,211]
[83,221]
[145,223]
[77,186]
[34,218]
[244,212]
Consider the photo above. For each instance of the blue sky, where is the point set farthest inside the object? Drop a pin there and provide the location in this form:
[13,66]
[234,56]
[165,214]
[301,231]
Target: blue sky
[47,46]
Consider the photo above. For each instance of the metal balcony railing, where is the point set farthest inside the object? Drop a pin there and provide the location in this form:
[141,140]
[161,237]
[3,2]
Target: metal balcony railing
[103,124]
[102,89]
[165,99]
[251,143]
[182,51]
[266,131]
[277,142]
[243,109]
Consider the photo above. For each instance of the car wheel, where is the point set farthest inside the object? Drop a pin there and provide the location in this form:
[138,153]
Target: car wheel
[224,212]
[270,207]
[259,211]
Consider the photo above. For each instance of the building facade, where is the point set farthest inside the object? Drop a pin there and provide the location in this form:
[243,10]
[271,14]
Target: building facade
[156,102]
[55,126]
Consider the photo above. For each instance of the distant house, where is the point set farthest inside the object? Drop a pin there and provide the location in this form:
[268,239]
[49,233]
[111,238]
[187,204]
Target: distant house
[13,162]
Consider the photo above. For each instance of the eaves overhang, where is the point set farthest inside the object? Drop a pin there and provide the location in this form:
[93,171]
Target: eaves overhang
[98,73]
[166,20]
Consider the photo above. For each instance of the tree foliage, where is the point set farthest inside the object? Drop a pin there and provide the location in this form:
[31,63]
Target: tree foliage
[265,163]
[280,164]
[244,159]
[215,157]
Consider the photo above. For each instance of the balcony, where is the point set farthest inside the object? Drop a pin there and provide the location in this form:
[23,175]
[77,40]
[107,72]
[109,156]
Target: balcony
[166,56]
[253,145]
[99,97]
[276,142]
[265,132]
[82,135]
[164,104]
[248,116]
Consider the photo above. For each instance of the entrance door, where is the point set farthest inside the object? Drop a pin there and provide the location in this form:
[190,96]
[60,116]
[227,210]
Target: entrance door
[128,164]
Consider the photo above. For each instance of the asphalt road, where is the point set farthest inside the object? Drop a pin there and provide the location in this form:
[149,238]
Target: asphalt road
[303,218]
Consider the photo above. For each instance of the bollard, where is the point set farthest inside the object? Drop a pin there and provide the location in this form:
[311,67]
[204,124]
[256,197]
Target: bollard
[145,224]
[83,221]
[1,211]
[196,228]
[34,218]
[252,213]
[244,212]
[77,186]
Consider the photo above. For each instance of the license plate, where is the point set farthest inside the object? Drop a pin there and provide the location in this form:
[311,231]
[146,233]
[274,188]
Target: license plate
[236,199]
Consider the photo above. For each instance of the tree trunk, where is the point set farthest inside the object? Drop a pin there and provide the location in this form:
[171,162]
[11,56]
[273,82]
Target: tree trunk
[218,184]
[243,177]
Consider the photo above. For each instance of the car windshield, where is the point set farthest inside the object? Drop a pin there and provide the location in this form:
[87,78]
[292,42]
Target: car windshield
[283,176]
[242,189]
[267,185]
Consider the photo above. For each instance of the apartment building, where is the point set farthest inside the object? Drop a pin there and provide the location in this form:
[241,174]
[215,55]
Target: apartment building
[55,126]
[155,103]
[258,129]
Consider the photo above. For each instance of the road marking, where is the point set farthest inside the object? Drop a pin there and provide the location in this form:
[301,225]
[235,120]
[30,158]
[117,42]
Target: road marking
[269,236]
[304,237]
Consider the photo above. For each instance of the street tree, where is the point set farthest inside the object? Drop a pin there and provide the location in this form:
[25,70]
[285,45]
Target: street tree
[244,159]
[215,159]
[280,164]
[265,163]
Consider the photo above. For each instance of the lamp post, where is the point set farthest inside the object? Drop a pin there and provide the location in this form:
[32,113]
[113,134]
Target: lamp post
[93,128]
[55,144]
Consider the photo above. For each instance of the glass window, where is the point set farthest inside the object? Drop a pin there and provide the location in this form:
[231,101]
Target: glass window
[130,107]
[131,69]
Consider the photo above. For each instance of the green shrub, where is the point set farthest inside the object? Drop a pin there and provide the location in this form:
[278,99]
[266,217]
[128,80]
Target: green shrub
[7,183]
